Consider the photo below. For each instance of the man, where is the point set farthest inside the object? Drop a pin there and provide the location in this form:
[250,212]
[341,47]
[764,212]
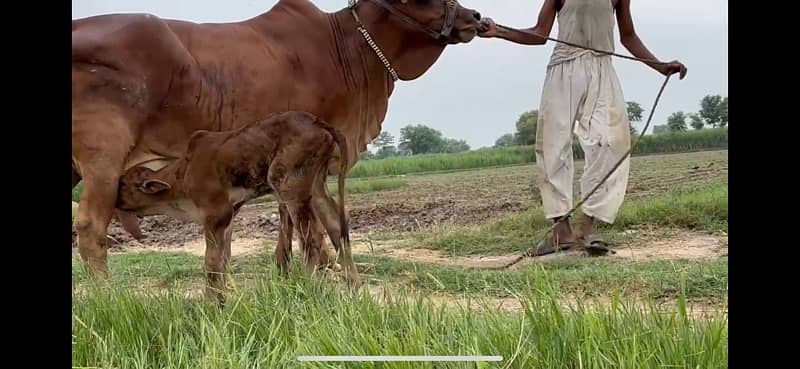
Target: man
[582,87]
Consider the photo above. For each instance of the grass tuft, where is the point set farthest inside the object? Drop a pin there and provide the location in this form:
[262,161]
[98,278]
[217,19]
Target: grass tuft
[269,325]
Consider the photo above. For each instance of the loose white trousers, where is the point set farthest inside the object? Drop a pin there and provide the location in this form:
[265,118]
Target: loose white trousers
[582,96]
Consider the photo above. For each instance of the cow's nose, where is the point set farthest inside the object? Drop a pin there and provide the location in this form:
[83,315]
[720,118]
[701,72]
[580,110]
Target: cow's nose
[476,15]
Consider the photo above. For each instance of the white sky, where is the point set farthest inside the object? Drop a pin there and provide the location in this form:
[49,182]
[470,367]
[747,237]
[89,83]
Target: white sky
[477,91]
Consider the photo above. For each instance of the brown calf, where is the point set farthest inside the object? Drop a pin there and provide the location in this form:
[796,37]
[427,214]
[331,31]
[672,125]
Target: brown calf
[287,154]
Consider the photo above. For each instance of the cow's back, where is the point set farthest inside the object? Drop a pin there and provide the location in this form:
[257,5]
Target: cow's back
[180,77]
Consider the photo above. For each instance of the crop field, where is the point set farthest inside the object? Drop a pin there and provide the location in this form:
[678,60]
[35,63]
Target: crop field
[426,244]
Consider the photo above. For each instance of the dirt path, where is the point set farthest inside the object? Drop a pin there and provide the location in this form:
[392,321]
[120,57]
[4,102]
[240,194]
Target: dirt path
[669,246]
[676,245]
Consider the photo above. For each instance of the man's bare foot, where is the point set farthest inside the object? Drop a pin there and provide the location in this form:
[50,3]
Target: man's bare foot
[563,232]
[587,227]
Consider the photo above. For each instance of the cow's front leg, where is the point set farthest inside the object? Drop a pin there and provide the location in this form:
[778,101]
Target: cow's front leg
[95,210]
[99,150]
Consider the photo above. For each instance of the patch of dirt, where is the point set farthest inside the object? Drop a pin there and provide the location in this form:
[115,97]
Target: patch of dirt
[408,216]
[681,245]
[695,246]
[239,247]
[257,221]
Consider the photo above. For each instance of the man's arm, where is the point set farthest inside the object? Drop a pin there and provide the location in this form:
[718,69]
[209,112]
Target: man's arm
[632,42]
[528,36]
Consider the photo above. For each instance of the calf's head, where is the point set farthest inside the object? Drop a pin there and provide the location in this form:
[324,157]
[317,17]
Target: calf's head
[142,188]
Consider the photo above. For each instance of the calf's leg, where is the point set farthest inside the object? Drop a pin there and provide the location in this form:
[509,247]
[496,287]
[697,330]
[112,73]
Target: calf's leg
[283,252]
[217,224]
[303,218]
[327,212]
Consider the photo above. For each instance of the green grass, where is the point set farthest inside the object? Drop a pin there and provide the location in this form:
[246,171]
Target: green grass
[163,268]
[705,281]
[370,185]
[76,192]
[678,142]
[660,280]
[356,186]
[704,208]
[675,142]
[443,162]
[268,325]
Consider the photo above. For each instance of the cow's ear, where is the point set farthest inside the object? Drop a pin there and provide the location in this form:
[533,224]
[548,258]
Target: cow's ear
[154,186]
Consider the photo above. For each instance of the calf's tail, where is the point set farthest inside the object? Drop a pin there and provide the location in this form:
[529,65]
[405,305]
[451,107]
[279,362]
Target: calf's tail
[341,141]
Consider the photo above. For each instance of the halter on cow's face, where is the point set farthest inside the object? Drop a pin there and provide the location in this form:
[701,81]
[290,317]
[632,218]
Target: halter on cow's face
[445,21]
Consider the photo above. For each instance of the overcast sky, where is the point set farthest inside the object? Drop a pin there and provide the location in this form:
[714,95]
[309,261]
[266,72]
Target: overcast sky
[477,91]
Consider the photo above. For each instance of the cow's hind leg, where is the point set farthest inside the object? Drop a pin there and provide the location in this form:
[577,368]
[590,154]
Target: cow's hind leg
[100,151]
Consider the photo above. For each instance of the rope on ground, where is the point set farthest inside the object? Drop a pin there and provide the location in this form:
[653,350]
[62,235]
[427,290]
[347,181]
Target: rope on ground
[531,252]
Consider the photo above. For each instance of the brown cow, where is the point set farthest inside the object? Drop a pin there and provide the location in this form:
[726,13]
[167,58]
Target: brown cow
[142,85]
[287,154]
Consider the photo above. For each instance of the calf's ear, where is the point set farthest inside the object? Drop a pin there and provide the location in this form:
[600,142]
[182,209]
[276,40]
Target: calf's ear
[154,186]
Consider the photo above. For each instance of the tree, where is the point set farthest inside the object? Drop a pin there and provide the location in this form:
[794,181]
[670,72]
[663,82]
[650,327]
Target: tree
[385,144]
[420,139]
[661,128]
[505,140]
[696,121]
[384,139]
[714,110]
[451,146]
[526,128]
[386,152]
[634,114]
[366,155]
[677,122]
